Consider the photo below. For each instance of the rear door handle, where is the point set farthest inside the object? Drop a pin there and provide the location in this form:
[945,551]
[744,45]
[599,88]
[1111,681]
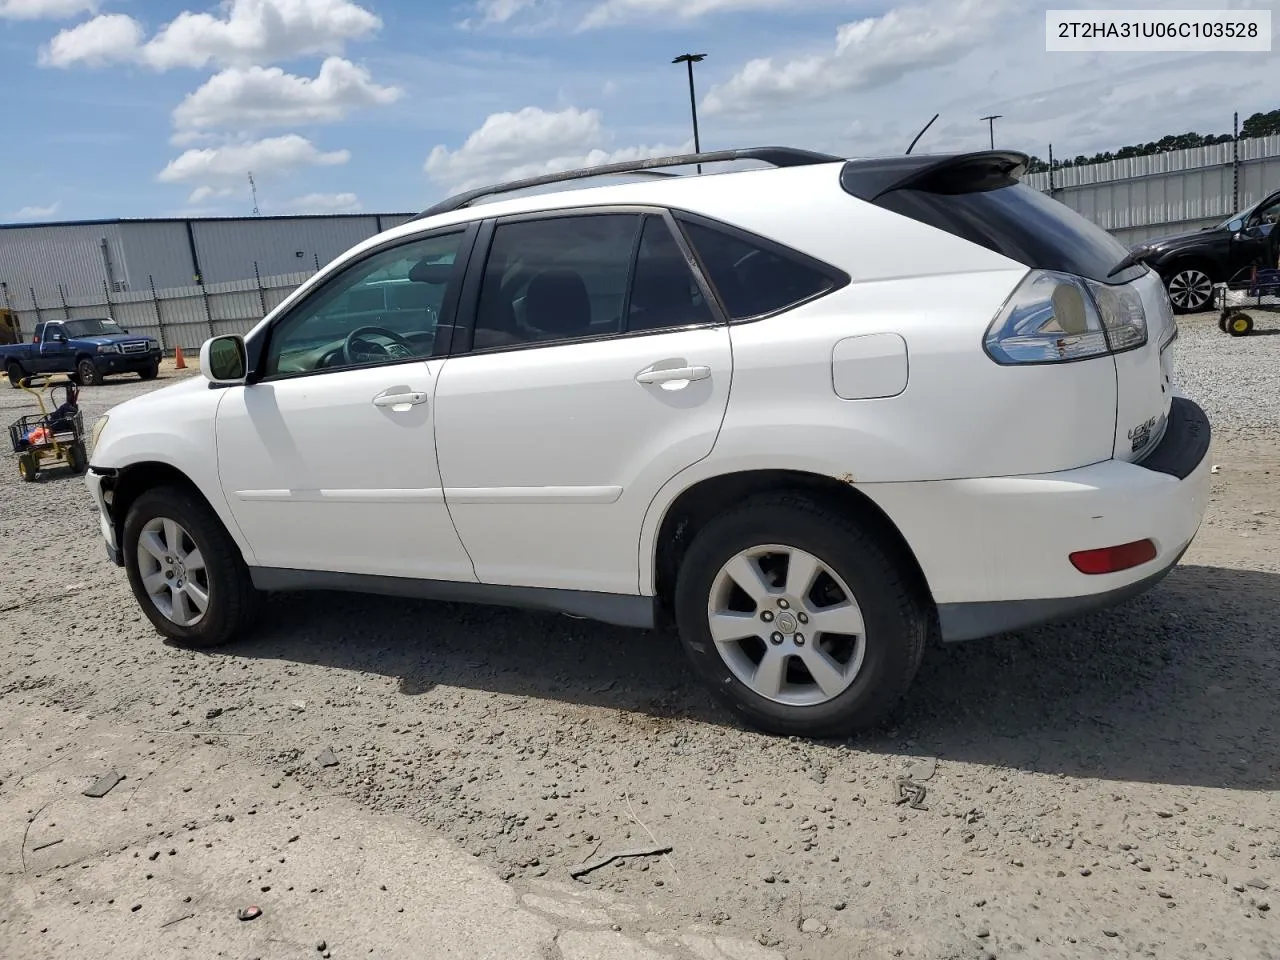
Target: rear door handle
[672,375]
[399,402]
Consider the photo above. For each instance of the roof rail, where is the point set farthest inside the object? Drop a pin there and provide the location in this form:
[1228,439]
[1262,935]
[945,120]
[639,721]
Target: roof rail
[777,156]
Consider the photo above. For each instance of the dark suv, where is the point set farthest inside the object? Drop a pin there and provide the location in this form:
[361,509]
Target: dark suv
[1191,263]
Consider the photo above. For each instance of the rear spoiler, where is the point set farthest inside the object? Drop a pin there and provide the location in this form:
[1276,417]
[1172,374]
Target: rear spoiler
[938,173]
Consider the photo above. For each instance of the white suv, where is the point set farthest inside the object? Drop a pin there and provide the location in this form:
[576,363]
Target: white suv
[816,415]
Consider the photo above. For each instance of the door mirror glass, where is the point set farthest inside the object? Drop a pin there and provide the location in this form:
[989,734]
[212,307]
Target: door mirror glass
[1236,225]
[224,360]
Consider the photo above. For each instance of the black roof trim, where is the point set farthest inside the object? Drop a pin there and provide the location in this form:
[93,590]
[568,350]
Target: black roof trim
[934,173]
[129,220]
[777,156]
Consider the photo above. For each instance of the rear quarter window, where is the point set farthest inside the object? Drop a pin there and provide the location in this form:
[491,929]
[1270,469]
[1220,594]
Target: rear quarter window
[754,277]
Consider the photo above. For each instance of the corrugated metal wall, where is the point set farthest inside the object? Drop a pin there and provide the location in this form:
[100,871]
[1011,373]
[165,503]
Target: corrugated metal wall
[44,256]
[227,249]
[157,249]
[1166,193]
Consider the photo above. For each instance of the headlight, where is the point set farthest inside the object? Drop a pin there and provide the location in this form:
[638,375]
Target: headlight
[109,348]
[1056,318]
[97,432]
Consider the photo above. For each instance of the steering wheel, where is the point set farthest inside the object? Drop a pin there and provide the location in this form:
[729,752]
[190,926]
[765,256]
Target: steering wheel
[355,335]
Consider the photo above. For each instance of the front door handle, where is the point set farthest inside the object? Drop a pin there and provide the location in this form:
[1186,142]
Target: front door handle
[675,376]
[399,402]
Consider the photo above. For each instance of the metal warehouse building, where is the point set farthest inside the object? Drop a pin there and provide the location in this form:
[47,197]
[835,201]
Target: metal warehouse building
[81,259]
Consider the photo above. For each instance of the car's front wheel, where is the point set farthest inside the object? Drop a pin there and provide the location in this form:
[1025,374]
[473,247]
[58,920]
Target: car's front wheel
[185,570]
[801,621]
[1190,289]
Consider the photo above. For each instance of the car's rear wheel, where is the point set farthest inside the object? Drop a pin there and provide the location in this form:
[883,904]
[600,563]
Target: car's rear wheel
[801,621]
[14,372]
[88,373]
[185,570]
[1190,289]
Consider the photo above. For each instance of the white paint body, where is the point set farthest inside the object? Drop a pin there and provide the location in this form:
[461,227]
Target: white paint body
[554,467]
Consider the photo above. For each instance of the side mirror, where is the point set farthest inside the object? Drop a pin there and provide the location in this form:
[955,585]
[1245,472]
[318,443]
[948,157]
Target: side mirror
[1236,225]
[224,360]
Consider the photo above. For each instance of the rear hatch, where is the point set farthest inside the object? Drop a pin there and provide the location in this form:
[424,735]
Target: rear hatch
[978,197]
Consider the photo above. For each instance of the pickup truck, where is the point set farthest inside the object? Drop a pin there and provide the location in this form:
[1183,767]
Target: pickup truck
[88,349]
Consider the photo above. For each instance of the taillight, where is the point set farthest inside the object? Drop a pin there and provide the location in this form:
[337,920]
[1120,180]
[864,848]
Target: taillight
[1058,318]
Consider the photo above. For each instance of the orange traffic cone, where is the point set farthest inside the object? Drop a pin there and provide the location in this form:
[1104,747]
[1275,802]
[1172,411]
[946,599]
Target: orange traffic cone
[178,362]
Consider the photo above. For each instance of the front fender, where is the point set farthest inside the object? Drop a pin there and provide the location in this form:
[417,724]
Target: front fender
[184,440]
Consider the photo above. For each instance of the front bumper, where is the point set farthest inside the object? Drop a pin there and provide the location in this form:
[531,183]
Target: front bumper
[93,481]
[995,551]
[126,362]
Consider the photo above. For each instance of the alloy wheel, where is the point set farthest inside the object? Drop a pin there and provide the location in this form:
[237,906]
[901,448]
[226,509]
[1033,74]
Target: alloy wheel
[786,625]
[173,571]
[1190,289]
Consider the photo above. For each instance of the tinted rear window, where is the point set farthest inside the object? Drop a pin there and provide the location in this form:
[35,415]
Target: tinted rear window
[1022,224]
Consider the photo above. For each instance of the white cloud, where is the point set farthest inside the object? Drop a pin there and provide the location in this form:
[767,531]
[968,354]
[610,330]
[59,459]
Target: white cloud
[245,97]
[869,53]
[529,142]
[44,9]
[94,43]
[500,11]
[233,162]
[38,213]
[324,203]
[611,12]
[251,32]
[200,194]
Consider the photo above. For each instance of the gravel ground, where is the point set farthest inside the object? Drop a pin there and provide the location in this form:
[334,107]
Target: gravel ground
[1099,789]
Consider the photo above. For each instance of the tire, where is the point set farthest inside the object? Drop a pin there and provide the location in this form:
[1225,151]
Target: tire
[181,521]
[1222,323]
[14,372]
[1239,325]
[29,467]
[87,373]
[149,373]
[892,611]
[77,457]
[1190,288]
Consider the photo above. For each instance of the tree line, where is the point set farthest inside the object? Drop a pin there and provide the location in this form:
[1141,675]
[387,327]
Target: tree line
[1258,125]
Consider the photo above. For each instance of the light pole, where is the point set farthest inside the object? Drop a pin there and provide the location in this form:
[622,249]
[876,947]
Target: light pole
[991,127]
[689,59]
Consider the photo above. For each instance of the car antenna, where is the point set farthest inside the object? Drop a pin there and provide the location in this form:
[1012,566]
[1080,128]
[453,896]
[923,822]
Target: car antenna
[921,133]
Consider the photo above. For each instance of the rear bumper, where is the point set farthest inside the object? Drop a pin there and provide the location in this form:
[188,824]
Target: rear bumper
[995,551]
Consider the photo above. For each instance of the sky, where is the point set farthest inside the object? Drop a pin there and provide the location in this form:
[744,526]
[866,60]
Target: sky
[139,108]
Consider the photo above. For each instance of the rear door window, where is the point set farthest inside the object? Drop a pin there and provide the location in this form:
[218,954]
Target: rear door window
[664,293]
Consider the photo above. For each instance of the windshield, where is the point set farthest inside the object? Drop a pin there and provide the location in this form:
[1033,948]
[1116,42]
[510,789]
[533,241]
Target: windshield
[1242,215]
[90,328]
